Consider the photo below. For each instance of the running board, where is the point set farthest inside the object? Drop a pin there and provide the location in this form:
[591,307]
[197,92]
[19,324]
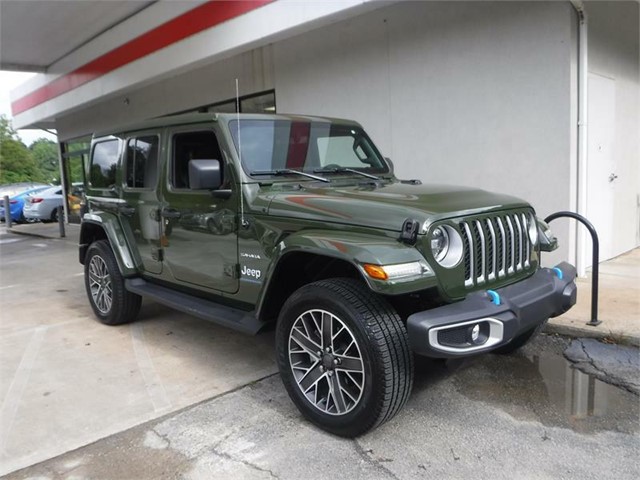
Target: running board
[230,317]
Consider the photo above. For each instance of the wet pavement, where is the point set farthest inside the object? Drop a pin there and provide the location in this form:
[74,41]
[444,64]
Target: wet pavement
[529,415]
[614,364]
[541,385]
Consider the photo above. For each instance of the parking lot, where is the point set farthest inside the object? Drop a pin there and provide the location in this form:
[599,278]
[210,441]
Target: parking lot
[68,380]
[171,396]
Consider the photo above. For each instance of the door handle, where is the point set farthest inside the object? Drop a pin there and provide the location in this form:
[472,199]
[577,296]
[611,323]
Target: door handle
[126,209]
[170,213]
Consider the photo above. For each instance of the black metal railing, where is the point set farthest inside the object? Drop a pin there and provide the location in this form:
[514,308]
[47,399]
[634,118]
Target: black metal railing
[594,322]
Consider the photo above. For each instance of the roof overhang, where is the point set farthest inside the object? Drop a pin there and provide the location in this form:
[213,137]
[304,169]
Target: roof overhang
[159,40]
[34,35]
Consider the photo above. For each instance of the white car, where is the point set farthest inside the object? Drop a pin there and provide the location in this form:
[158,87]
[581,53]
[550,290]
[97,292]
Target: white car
[44,205]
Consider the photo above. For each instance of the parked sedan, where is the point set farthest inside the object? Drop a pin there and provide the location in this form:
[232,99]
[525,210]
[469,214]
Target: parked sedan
[17,202]
[44,206]
[12,189]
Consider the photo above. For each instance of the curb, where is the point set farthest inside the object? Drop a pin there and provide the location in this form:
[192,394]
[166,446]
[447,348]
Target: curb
[592,332]
[41,235]
[32,234]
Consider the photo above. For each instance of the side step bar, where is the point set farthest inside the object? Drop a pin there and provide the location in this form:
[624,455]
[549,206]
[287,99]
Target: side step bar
[230,317]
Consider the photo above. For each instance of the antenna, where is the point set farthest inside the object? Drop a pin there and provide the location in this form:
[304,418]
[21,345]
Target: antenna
[243,222]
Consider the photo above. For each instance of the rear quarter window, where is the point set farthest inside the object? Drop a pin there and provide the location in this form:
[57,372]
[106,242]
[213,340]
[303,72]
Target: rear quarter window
[104,163]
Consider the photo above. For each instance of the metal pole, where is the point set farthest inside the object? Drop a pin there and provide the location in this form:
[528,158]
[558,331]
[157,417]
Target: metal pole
[594,322]
[7,212]
[60,215]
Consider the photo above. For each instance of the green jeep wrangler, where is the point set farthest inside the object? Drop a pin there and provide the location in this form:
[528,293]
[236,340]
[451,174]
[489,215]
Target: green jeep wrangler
[299,223]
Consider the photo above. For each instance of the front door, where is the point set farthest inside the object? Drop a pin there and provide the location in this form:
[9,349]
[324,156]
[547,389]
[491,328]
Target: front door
[200,234]
[140,215]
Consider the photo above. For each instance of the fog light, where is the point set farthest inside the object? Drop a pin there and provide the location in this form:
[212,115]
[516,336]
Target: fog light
[475,333]
[478,333]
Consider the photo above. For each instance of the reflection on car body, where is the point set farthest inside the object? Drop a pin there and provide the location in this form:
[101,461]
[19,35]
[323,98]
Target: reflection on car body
[217,223]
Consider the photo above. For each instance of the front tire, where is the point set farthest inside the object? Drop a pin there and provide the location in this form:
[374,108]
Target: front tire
[343,356]
[110,301]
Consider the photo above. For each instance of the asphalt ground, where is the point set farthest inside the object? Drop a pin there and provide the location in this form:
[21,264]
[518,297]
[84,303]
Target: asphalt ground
[174,397]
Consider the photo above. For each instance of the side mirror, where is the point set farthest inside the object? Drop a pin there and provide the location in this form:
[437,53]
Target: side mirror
[205,174]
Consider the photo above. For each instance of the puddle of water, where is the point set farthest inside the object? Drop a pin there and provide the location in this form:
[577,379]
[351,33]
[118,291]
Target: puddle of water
[541,385]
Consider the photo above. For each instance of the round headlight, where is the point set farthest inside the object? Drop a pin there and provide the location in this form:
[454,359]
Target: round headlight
[439,243]
[533,229]
[446,246]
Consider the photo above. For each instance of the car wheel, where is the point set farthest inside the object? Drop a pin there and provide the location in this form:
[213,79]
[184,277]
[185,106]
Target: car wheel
[110,301]
[343,356]
[520,341]
[54,215]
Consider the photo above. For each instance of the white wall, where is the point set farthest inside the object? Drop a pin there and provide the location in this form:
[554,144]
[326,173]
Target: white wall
[470,93]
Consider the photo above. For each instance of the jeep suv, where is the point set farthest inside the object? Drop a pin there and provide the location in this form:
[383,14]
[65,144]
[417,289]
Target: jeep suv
[299,223]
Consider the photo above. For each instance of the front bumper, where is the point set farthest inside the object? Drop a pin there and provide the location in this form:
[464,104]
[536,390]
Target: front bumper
[447,331]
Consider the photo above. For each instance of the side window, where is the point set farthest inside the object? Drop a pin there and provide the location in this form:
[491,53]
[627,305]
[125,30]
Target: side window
[192,146]
[141,162]
[104,161]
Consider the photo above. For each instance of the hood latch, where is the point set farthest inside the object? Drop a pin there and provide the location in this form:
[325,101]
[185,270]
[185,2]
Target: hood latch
[409,234]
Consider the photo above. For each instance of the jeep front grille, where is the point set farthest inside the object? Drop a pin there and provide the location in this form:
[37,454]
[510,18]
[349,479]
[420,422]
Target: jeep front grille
[495,247]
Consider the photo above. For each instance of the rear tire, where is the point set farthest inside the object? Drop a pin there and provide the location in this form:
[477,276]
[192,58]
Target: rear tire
[343,356]
[54,215]
[110,301]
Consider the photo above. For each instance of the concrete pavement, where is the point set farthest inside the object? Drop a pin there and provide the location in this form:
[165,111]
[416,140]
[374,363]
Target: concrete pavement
[66,380]
[523,416]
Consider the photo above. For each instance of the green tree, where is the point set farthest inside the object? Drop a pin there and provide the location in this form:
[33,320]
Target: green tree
[16,161]
[6,130]
[45,154]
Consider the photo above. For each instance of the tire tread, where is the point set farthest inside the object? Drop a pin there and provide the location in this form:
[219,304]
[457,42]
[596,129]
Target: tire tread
[387,333]
[125,305]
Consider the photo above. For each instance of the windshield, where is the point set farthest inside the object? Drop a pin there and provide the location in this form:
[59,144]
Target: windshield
[271,145]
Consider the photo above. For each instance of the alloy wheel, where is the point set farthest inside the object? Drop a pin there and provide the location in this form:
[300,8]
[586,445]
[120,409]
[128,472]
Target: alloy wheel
[326,362]
[100,284]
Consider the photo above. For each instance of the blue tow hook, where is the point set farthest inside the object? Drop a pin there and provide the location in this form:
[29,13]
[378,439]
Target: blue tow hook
[495,297]
[558,272]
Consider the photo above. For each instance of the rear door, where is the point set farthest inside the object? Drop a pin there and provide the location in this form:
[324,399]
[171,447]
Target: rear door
[140,214]
[200,243]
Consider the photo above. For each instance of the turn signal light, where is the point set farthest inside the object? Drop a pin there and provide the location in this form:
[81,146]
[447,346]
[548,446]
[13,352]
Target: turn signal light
[398,271]
[36,200]
[375,271]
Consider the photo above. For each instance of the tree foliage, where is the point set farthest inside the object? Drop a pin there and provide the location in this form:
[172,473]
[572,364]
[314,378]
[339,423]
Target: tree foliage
[38,163]
[45,154]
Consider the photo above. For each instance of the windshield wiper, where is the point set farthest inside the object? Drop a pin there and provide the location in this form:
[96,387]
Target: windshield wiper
[288,171]
[346,170]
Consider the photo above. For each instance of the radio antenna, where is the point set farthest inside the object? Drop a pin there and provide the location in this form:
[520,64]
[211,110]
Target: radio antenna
[243,222]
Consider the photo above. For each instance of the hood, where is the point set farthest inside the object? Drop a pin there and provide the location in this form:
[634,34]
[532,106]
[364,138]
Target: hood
[388,206]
